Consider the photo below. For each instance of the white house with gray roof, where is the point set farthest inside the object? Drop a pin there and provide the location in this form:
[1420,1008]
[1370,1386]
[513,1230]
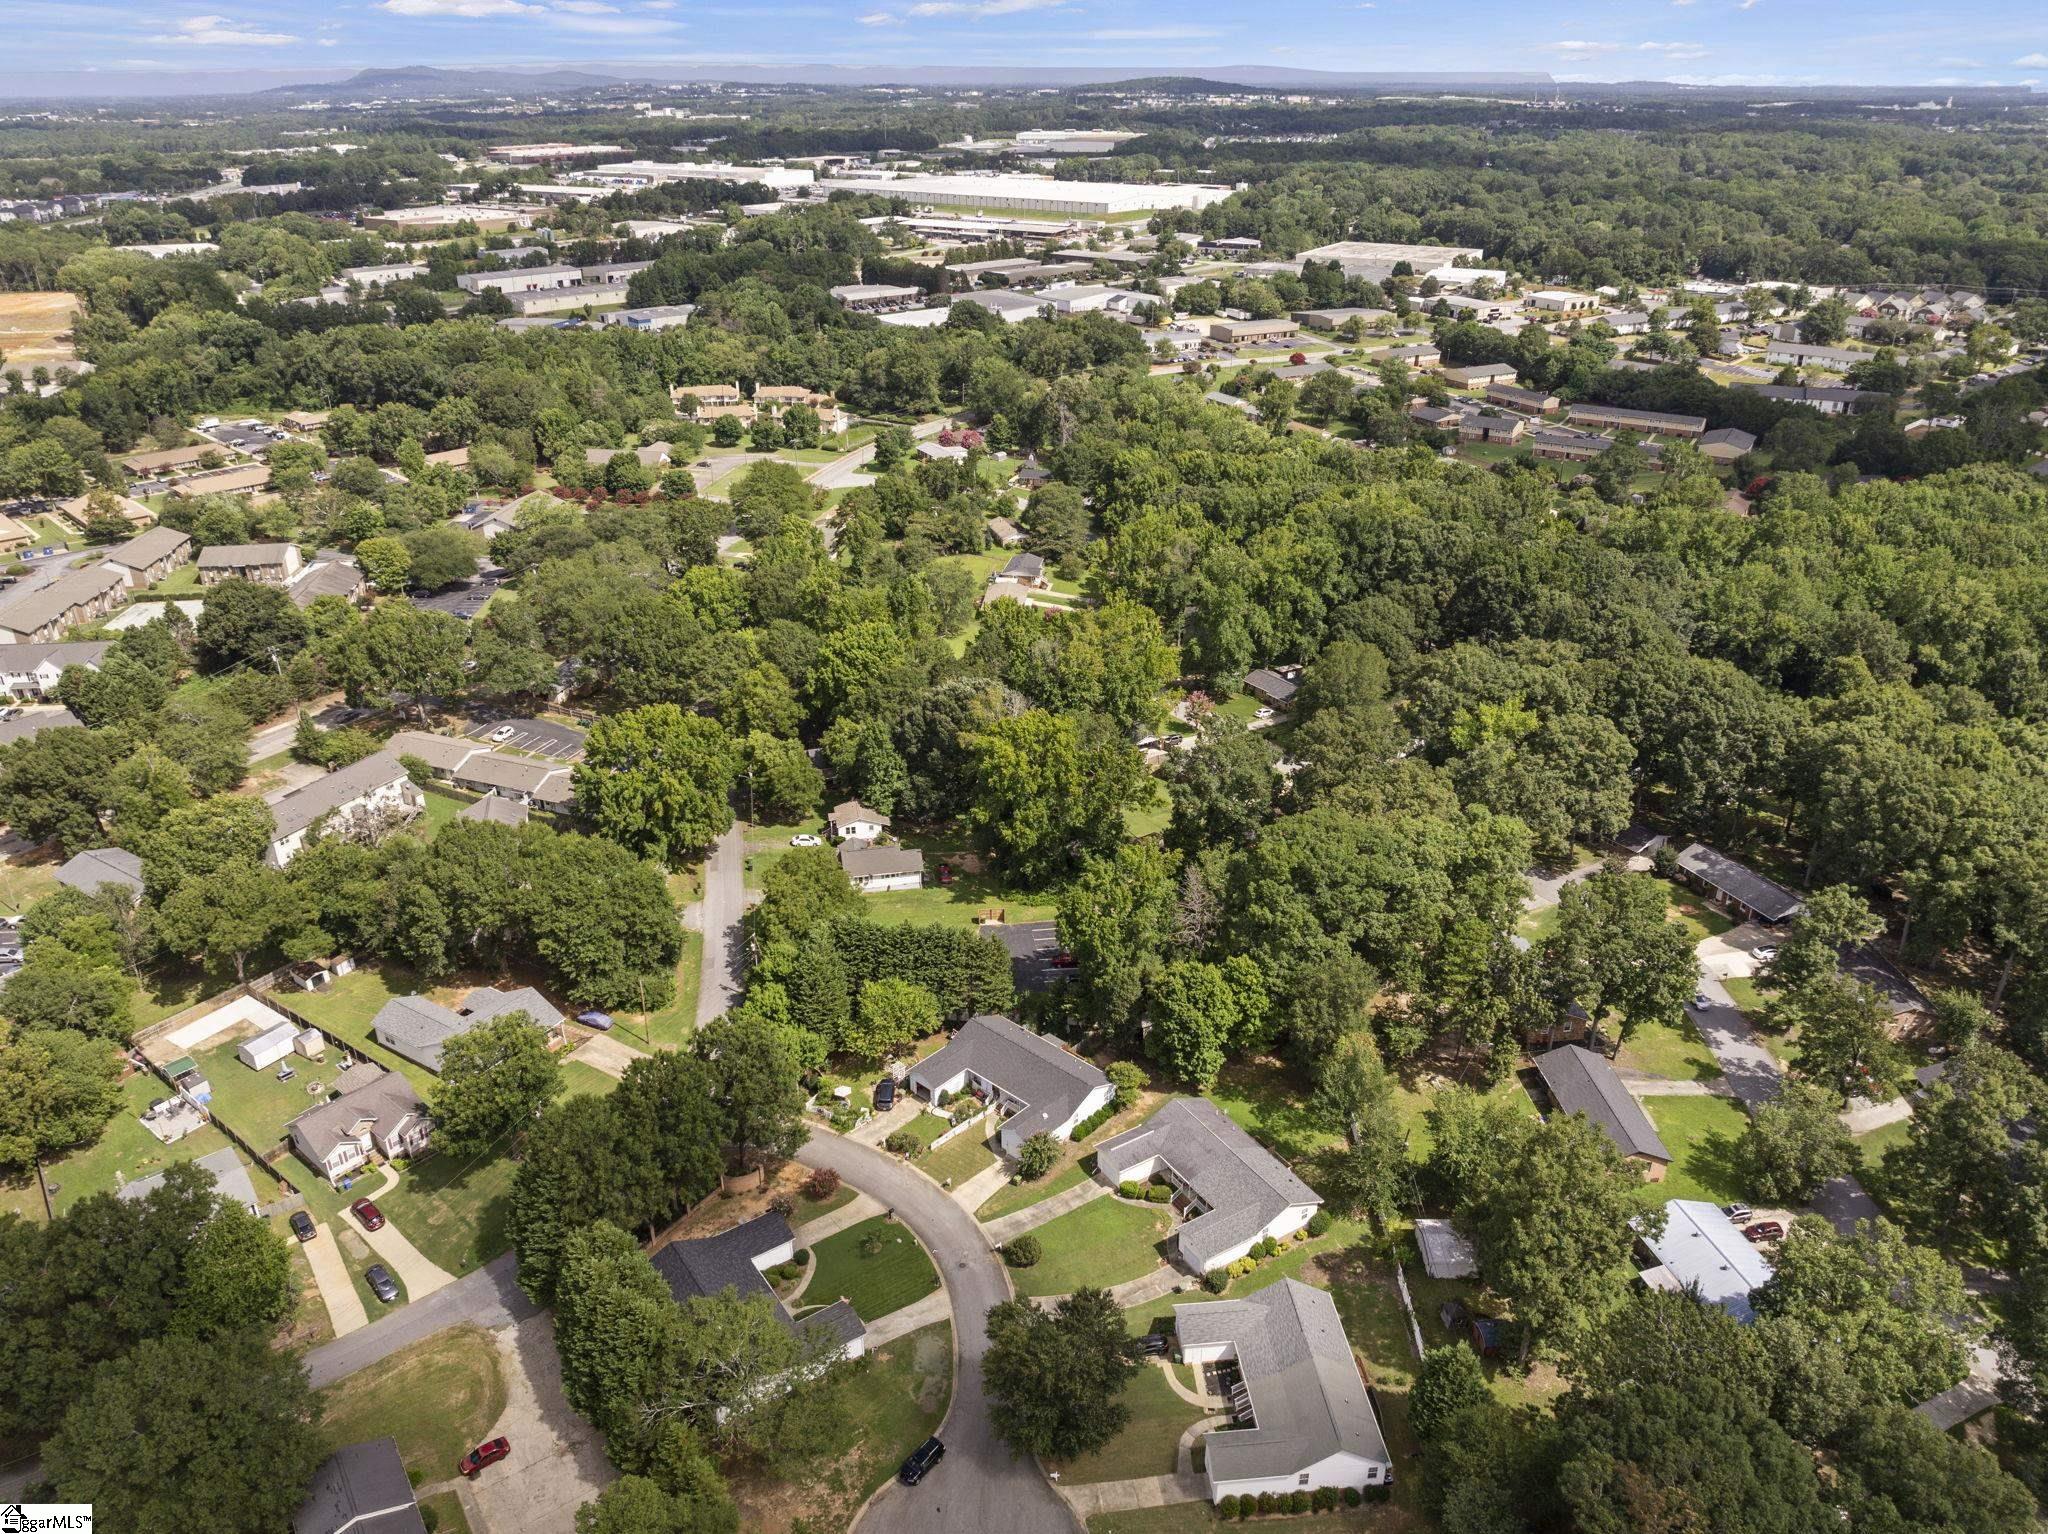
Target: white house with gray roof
[419,1028]
[737,1259]
[1230,1191]
[34,670]
[1044,1088]
[360,795]
[375,1112]
[1304,1419]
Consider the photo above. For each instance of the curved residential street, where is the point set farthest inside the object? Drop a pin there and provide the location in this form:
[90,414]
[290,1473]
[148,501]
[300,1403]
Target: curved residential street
[980,1485]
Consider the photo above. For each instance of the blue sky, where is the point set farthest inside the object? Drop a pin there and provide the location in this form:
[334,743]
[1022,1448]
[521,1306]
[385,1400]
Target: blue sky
[125,45]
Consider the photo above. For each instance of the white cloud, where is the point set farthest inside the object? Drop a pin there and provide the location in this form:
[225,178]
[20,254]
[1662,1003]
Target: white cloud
[1745,5]
[2032,61]
[981,7]
[880,19]
[470,9]
[587,7]
[1151,34]
[611,26]
[219,32]
[1681,2]
[657,5]
[329,42]
[1578,49]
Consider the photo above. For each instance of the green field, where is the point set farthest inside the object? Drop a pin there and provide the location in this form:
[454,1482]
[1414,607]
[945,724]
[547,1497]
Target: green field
[1268,1101]
[877,1265]
[1659,1049]
[1099,1245]
[1011,1197]
[23,884]
[126,1151]
[1702,1134]
[959,1158]
[1147,1444]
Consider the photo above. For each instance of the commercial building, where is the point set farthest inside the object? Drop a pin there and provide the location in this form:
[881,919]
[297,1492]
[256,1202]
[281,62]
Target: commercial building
[1252,332]
[1653,422]
[521,279]
[1303,1419]
[876,297]
[1230,1192]
[1040,1087]
[780,178]
[1375,260]
[547,153]
[1036,194]
[1558,301]
[1069,141]
[1007,305]
[371,277]
[441,217]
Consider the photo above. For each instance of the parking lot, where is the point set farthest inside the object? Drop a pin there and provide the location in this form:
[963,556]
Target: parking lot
[464,601]
[543,737]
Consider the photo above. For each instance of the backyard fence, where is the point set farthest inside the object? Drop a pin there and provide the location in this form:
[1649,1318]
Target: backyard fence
[961,1128]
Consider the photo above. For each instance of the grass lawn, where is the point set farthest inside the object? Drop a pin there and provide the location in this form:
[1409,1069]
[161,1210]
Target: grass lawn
[1538,925]
[23,884]
[1699,919]
[1877,1145]
[809,1209]
[447,1516]
[454,1210]
[1702,1133]
[126,1151]
[442,807]
[1011,1197]
[346,1008]
[1747,994]
[890,1403]
[1661,1050]
[925,1128]
[1149,818]
[957,904]
[1268,1101]
[959,1158]
[437,1398]
[580,1080]
[1149,1440]
[672,1026]
[180,581]
[1103,1243]
[877,1265]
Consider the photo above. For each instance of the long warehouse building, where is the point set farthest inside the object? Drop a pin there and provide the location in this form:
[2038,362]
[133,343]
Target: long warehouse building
[783,178]
[1038,194]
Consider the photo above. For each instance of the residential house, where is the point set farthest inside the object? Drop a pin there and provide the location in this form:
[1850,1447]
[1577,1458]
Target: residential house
[169,459]
[1632,322]
[360,1489]
[1836,359]
[419,1028]
[330,575]
[268,564]
[1726,444]
[1480,375]
[1231,402]
[1579,1081]
[1701,1251]
[1653,422]
[42,615]
[443,753]
[1275,687]
[654,455]
[1828,399]
[1004,533]
[872,869]
[738,1260]
[88,871]
[496,810]
[1303,1419]
[375,1112]
[1569,446]
[1229,1191]
[148,557]
[1731,887]
[1025,570]
[357,798]
[1520,401]
[529,780]
[234,479]
[1435,417]
[1040,1086]
[1416,355]
[34,670]
[853,821]
[1867,965]
[774,399]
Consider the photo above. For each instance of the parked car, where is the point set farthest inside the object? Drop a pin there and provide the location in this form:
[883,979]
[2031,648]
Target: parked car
[303,1226]
[1262,712]
[922,1458]
[1702,999]
[1155,1344]
[885,1095]
[369,1214]
[805,839]
[601,1021]
[484,1454]
[503,733]
[1762,1231]
[382,1284]
[1766,955]
[1739,1213]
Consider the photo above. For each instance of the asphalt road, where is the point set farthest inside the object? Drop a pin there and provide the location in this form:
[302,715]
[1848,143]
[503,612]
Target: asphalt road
[725,902]
[488,1297]
[980,1485]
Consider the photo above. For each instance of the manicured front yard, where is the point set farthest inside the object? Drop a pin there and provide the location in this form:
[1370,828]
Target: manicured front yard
[877,1265]
[23,884]
[1703,1134]
[1689,911]
[438,1398]
[453,1210]
[346,1008]
[1011,1197]
[1149,1440]
[1100,1244]
[809,1209]
[959,1158]
[954,905]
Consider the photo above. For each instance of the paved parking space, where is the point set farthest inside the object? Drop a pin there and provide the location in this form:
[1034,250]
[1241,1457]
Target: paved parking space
[344,1305]
[543,737]
[557,1462]
[464,601]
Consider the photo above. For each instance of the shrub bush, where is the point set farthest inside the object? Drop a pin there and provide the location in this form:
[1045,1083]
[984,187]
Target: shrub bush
[1127,1079]
[1352,1496]
[1158,1194]
[1226,1507]
[1378,1493]
[1094,1121]
[1268,1247]
[1325,1499]
[821,1185]
[941,1097]
[1036,1156]
[1299,1502]
[902,1142]
[1216,1280]
[1129,1189]
[1265,1502]
[802,1258]
[783,1205]
[1318,1223]
[1022,1251]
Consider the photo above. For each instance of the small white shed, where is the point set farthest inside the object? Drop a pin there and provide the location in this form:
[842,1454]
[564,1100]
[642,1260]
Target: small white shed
[268,1047]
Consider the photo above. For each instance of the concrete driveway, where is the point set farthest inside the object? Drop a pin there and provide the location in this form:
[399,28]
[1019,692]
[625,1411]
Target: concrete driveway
[980,1485]
[488,1297]
[415,1270]
[344,1306]
[557,1462]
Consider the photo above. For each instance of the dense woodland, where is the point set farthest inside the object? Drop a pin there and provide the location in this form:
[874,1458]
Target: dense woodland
[1502,665]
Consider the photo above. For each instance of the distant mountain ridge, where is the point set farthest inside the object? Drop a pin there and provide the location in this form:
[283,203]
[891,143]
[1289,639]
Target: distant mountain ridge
[424,79]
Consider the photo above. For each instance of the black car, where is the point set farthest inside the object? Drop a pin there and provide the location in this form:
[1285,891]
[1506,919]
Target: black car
[922,1458]
[1154,1344]
[885,1099]
[302,1225]
[382,1284]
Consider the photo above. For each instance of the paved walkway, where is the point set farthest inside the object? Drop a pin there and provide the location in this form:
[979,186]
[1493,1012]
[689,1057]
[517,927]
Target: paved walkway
[932,1308]
[1544,888]
[983,1185]
[1196,1397]
[1643,1085]
[1128,1496]
[488,1297]
[1035,1215]
[345,1311]
[862,1207]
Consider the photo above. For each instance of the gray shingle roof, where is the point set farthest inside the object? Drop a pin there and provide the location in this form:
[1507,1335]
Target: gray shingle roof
[96,866]
[419,1028]
[1770,900]
[496,810]
[366,1093]
[244,556]
[22,659]
[224,1166]
[864,860]
[1308,1400]
[145,549]
[712,1264]
[443,753]
[55,602]
[1034,1070]
[298,809]
[1271,683]
[362,1489]
[1583,1082]
[1245,1185]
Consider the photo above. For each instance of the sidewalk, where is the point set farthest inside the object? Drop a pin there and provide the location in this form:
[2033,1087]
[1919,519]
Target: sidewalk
[1035,1215]
[936,1306]
[861,1208]
[982,1186]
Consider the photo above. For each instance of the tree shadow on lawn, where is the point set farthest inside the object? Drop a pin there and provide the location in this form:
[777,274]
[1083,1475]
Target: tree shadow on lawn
[1713,1161]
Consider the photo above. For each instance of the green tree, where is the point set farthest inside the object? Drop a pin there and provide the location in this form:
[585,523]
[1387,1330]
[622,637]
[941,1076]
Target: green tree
[227,916]
[1035,1157]
[443,555]
[1450,1381]
[1047,788]
[237,1274]
[157,1445]
[755,1080]
[387,562]
[1115,917]
[658,780]
[58,1089]
[1199,1013]
[892,1014]
[495,1080]
[1613,950]
[1845,1045]
[1834,917]
[1900,1472]
[1354,1095]
[1054,1378]
[245,623]
[1795,1143]
[783,784]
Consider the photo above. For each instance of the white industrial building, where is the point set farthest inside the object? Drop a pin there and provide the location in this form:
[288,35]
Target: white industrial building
[1038,194]
[782,178]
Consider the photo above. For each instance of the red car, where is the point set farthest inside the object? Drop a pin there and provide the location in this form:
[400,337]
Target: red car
[1763,1230]
[484,1454]
[367,1212]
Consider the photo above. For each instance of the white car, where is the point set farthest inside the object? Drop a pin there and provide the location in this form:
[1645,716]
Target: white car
[1766,955]
[1702,999]
[503,733]
[1263,713]
[805,839]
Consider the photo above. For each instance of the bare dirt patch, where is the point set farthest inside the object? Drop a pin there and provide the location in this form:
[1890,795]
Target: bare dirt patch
[36,328]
